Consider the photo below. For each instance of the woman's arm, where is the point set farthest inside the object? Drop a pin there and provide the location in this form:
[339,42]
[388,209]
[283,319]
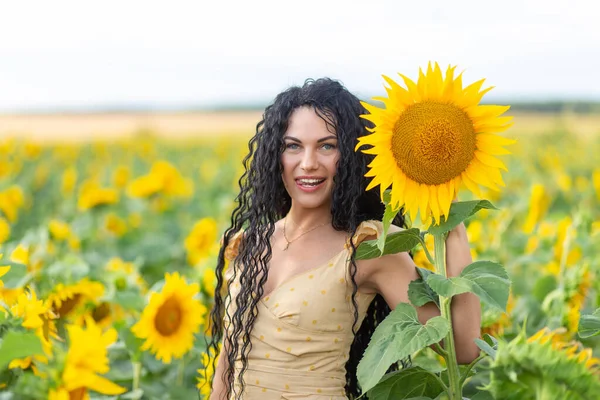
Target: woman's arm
[219,388]
[390,276]
[466,308]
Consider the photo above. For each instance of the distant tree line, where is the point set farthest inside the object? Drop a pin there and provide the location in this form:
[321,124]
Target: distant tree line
[551,107]
[578,107]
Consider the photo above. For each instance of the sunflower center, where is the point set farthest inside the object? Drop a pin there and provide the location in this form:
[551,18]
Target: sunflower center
[77,394]
[433,142]
[168,317]
[68,305]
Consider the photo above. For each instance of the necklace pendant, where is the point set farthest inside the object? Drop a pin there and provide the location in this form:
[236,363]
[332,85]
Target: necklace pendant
[286,246]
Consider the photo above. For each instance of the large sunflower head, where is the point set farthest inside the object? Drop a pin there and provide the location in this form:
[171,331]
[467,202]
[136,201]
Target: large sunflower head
[430,138]
[171,318]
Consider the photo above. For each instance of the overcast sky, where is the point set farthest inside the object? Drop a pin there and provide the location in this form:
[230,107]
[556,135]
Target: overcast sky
[80,54]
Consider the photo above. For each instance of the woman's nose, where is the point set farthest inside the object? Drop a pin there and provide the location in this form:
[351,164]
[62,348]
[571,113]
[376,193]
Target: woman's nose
[309,160]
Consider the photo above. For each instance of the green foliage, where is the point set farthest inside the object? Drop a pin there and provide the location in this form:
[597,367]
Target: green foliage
[388,217]
[459,211]
[18,345]
[486,279]
[395,242]
[589,325]
[410,383]
[419,291]
[397,337]
[526,370]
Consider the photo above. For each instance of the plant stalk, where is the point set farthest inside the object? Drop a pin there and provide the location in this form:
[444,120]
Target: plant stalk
[137,369]
[454,387]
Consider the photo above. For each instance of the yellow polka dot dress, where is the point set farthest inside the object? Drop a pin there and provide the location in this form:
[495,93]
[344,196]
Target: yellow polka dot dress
[303,331]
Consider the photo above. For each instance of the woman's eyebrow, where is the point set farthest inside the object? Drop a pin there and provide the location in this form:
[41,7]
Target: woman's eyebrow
[318,141]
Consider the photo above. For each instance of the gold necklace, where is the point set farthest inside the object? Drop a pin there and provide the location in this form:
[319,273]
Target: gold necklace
[302,234]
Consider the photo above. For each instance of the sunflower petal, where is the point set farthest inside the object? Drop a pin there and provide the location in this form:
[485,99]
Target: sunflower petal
[471,185]
[478,176]
[434,203]
[411,86]
[410,198]
[423,199]
[491,149]
[489,160]
[444,198]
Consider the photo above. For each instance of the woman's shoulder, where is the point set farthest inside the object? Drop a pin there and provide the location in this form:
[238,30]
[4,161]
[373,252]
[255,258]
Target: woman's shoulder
[233,247]
[371,229]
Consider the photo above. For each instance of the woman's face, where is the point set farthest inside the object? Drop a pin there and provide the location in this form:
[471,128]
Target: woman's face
[309,159]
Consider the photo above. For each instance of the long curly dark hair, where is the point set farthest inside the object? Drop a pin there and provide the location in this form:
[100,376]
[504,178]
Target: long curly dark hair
[263,200]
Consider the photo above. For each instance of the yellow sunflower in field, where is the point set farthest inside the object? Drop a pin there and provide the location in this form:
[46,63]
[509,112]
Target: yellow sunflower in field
[66,298]
[430,138]
[171,318]
[86,360]
[205,374]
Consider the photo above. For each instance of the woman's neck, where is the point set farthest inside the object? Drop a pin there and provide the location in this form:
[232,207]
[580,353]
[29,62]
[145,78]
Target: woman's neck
[302,219]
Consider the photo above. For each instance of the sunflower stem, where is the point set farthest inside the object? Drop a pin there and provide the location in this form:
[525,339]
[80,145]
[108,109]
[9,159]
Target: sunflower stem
[180,371]
[137,369]
[454,387]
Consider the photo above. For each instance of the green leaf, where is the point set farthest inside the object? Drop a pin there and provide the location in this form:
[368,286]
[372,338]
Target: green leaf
[130,300]
[17,275]
[486,279]
[483,395]
[459,211]
[419,292]
[399,335]
[18,345]
[486,348]
[411,383]
[589,325]
[388,217]
[543,286]
[394,243]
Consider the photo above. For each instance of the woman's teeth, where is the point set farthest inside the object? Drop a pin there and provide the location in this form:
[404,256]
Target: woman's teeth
[310,182]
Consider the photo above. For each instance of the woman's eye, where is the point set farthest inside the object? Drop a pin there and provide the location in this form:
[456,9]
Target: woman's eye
[328,146]
[291,146]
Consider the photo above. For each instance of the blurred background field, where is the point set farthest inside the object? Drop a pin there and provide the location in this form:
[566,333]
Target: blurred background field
[95,220]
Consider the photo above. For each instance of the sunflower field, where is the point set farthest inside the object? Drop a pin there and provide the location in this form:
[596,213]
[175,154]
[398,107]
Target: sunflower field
[108,255]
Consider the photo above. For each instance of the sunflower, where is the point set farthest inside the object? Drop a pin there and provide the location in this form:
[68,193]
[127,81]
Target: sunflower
[206,373]
[37,316]
[200,240]
[86,358]
[430,138]
[543,366]
[66,298]
[171,318]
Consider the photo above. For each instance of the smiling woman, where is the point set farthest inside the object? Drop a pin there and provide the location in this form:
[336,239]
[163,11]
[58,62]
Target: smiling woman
[294,309]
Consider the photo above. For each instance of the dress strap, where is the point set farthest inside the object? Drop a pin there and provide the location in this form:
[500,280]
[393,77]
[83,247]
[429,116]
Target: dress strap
[366,229]
[232,249]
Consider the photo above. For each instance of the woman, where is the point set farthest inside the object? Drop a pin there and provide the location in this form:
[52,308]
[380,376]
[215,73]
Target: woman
[301,310]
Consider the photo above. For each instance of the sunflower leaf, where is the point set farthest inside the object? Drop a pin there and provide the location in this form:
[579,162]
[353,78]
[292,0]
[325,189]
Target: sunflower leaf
[483,395]
[459,211]
[398,336]
[410,383]
[419,292]
[388,217]
[17,275]
[486,348]
[394,243]
[18,345]
[486,279]
[589,325]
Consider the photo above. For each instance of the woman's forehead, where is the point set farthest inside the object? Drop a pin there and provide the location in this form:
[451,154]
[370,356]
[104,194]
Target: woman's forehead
[306,124]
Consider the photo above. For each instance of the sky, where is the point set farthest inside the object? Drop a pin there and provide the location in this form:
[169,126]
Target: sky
[179,54]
